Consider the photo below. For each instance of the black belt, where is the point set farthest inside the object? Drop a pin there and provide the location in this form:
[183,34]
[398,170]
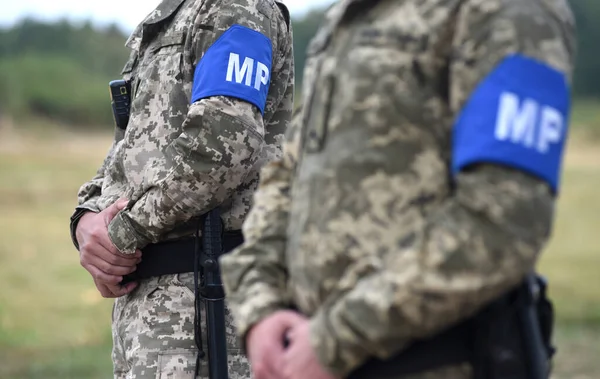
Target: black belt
[448,348]
[497,341]
[175,257]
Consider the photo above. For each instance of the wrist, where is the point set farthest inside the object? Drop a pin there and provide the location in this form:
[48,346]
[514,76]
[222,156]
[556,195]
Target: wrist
[85,217]
[76,219]
[83,220]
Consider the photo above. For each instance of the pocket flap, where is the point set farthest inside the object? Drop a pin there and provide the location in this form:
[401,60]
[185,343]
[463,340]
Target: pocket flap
[173,39]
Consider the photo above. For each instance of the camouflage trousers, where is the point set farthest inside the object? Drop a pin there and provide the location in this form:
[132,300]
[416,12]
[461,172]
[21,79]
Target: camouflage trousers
[153,333]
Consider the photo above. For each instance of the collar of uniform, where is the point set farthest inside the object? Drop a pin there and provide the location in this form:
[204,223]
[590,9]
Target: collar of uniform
[339,11]
[333,17]
[162,11]
[133,42]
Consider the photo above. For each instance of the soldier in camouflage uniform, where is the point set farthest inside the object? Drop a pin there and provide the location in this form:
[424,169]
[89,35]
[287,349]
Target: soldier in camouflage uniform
[417,183]
[212,87]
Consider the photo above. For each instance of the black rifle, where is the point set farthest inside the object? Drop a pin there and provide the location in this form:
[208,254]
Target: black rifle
[213,294]
[538,351]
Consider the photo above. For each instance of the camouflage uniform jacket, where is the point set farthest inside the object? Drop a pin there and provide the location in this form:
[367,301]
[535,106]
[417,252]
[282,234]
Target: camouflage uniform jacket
[361,225]
[176,161]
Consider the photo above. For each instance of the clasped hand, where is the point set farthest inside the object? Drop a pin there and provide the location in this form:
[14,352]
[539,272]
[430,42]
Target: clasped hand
[272,359]
[99,256]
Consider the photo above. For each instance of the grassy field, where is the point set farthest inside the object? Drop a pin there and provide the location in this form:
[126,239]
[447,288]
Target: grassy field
[53,324]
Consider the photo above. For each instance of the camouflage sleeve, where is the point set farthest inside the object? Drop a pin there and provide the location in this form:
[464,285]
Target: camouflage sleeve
[255,274]
[220,144]
[277,126]
[90,191]
[480,241]
[258,267]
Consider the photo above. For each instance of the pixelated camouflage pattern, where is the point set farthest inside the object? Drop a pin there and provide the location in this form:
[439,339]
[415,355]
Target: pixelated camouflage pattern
[89,193]
[153,333]
[176,161]
[360,225]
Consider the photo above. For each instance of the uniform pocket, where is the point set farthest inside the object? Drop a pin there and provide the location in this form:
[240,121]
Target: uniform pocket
[168,44]
[161,100]
[176,364]
[173,287]
[313,127]
[164,59]
[318,118]
[128,72]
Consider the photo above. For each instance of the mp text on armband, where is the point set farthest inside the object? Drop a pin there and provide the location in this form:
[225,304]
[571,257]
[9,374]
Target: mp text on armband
[517,117]
[237,65]
[244,73]
[529,123]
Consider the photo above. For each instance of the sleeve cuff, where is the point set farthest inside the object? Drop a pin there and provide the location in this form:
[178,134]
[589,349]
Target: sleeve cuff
[79,212]
[339,357]
[124,236]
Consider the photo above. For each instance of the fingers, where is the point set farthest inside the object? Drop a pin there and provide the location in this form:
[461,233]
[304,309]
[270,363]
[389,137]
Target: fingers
[262,370]
[102,277]
[267,344]
[104,291]
[112,291]
[284,324]
[120,259]
[271,365]
[98,235]
[108,245]
[291,334]
[277,363]
[118,290]
[98,250]
[111,211]
[109,268]
[106,267]
[104,240]
[121,203]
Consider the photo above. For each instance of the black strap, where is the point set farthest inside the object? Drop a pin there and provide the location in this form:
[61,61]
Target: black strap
[448,348]
[175,257]
[285,12]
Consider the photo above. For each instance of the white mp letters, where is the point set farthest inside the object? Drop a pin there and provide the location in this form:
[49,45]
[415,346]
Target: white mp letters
[246,73]
[528,122]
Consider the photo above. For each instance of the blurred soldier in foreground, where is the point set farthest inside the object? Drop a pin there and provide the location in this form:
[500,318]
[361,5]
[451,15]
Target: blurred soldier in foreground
[212,94]
[415,194]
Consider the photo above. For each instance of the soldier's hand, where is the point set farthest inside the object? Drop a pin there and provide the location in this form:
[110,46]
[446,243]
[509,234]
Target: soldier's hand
[265,344]
[97,254]
[111,291]
[300,360]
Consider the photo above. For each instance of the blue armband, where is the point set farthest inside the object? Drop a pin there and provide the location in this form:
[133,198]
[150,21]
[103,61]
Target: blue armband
[517,116]
[238,64]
